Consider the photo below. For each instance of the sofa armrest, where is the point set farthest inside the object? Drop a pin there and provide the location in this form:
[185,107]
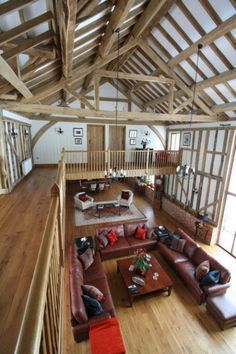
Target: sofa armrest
[98,318]
[215,290]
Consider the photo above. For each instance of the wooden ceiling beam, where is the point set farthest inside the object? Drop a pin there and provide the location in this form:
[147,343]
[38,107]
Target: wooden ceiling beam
[117,18]
[13,5]
[47,109]
[67,22]
[25,27]
[88,9]
[214,80]
[27,44]
[8,74]
[132,76]
[79,97]
[231,106]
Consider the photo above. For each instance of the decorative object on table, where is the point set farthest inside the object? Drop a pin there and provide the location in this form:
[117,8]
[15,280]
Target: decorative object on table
[141,261]
[78,132]
[203,215]
[145,142]
[155,276]
[138,280]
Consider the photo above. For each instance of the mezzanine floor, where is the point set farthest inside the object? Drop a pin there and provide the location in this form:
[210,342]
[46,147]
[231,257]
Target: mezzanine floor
[155,324]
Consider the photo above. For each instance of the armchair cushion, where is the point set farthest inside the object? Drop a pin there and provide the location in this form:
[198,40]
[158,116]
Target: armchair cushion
[125,195]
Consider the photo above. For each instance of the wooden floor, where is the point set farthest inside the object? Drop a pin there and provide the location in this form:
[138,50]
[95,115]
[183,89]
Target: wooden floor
[23,214]
[155,324]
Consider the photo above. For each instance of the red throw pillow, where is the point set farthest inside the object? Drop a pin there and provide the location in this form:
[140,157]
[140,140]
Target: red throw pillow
[112,237]
[141,233]
[125,195]
[84,198]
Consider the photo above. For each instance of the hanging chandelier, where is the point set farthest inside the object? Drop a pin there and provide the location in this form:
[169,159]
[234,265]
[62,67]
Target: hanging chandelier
[186,171]
[115,172]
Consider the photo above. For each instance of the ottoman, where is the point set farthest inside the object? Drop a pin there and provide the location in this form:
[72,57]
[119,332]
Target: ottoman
[223,309]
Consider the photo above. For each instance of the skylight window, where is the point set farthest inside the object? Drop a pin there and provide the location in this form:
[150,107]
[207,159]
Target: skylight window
[42,67]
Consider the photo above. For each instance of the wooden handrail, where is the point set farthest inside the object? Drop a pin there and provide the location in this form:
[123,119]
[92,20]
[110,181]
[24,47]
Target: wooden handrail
[31,328]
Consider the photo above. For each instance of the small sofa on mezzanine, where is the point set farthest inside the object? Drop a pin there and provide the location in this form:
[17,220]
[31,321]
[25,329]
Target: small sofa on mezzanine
[127,243]
[186,263]
[95,276]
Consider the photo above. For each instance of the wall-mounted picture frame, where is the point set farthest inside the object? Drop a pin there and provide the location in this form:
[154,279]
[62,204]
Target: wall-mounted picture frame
[132,141]
[78,132]
[186,141]
[133,134]
[78,141]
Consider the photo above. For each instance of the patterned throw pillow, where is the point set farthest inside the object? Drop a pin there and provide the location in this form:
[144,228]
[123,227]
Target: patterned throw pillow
[83,197]
[212,278]
[202,269]
[112,237]
[87,258]
[93,307]
[177,244]
[140,233]
[92,291]
[102,240]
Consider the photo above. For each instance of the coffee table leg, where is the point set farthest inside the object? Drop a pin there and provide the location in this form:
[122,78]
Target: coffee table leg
[130,300]
[169,290]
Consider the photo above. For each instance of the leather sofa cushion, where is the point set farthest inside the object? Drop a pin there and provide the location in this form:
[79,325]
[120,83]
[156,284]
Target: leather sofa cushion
[77,305]
[130,229]
[75,264]
[133,241]
[121,244]
[107,303]
[190,245]
[199,256]
[119,230]
[171,255]
[95,271]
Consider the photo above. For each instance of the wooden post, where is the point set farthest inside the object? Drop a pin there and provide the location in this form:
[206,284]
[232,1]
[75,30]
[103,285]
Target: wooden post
[147,161]
[96,92]
[171,98]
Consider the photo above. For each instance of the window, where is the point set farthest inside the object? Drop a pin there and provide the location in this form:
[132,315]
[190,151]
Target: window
[174,141]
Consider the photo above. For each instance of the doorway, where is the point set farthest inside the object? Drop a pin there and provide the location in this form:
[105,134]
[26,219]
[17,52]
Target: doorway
[117,145]
[96,146]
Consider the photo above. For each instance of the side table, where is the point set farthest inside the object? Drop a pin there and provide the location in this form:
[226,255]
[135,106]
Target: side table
[83,243]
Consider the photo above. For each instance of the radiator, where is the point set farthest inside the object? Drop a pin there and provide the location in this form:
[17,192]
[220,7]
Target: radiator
[26,166]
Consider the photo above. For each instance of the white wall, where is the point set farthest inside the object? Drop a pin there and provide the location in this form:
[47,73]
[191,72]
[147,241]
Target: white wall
[48,148]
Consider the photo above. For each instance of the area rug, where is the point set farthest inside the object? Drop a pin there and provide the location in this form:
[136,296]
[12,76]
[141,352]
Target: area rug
[90,216]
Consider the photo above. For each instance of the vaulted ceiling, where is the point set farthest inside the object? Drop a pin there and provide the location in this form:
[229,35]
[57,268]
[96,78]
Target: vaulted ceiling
[58,50]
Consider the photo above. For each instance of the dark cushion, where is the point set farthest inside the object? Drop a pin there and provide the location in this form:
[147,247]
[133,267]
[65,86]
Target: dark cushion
[213,277]
[87,258]
[177,244]
[125,195]
[119,229]
[92,291]
[93,307]
[102,240]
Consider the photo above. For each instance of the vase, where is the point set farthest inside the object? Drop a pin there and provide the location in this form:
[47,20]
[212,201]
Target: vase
[144,146]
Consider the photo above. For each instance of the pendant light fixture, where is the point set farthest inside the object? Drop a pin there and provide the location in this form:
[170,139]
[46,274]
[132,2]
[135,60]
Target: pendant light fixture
[185,171]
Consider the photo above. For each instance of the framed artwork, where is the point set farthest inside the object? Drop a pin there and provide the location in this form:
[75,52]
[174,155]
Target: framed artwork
[78,141]
[132,134]
[77,131]
[132,141]
[186,139]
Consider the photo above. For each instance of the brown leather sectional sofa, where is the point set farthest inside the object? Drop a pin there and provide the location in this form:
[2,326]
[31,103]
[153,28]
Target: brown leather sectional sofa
[185,265]
[127,243]
[94,275]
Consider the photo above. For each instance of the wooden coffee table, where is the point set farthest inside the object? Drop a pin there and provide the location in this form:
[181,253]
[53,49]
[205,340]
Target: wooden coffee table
[109,206]
[162,284]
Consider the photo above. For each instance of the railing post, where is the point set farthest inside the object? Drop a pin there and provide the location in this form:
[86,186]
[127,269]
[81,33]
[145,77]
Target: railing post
[147,161]
[108,160]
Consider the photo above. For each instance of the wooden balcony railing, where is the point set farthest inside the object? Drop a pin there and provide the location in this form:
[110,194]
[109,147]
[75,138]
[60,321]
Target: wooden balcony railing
[93,164]
[41,328]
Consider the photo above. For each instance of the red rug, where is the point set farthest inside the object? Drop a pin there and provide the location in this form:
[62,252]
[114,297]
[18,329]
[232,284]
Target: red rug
[106,338]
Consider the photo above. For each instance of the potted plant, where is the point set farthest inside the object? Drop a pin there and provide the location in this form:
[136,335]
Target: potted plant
[142,262]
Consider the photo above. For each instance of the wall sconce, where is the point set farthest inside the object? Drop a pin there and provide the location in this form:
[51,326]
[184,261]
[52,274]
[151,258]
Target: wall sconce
[147,133]
[14,132]
[60,131]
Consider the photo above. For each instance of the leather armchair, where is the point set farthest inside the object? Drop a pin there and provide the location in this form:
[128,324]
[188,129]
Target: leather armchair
[123,201]
[83,205]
